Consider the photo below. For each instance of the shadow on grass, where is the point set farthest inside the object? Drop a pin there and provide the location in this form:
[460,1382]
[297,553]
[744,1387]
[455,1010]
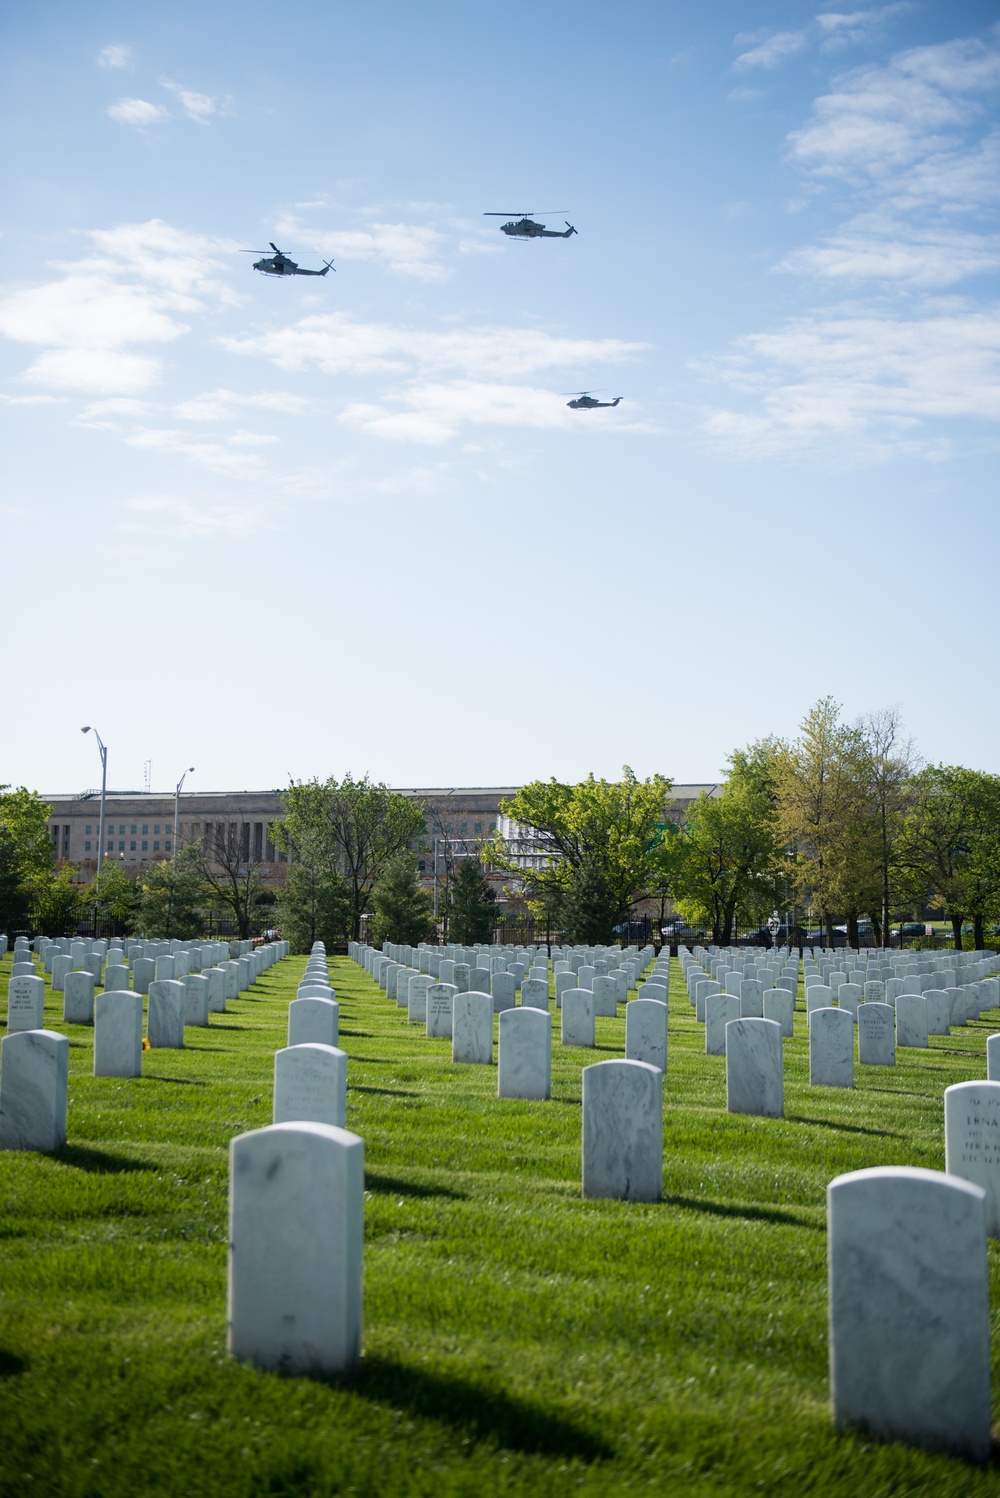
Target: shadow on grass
[10,1364]
[830,1123]
[482,1411]
[153,1076]
[384,1091]
[98,1162]
[393,1186]
[756,1214]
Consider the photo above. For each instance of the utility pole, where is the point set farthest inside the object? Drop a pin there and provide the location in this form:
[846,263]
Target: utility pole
[103,750]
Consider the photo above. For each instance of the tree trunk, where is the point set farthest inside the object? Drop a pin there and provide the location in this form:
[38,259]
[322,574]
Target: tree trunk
[878,928]
[956,927]
[978,935]
[852,931]
[828,925]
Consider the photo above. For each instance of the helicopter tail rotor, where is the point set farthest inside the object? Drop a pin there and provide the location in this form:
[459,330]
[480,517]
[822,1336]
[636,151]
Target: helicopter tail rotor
[569,228]
[327,265]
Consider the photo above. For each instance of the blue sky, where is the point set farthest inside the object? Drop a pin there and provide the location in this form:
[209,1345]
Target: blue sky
[276,528]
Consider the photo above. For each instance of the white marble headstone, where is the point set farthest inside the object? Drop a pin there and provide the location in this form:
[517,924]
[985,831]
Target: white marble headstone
[310,1084]
[524,1053]
[623,1130]
[909,1308]
[296,1216]
[34,1090]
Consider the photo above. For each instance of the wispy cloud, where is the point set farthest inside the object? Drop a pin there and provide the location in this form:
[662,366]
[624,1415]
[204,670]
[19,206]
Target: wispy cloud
[770,51]
[412,250]
[872,248]
[336,344]
[845,28]
[434,413]
[176,518]
[914,142]
[115,56]
[197,107]
[102,318]
[138,112]
[860,383]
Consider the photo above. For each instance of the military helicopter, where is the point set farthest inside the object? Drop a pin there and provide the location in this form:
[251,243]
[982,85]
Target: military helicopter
[526,228]
[586,402]
[279,264]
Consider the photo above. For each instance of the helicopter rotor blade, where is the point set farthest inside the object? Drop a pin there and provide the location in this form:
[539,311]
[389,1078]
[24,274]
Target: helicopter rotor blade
[253,252]
[598,391]
[274,247]
[525,213]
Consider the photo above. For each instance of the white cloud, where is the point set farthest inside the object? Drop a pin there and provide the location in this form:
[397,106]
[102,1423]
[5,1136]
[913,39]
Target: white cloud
[223,405]
[197,107]
[401,249]
[96,371]
[860,381]
[877,250]
[337,344]
[115,56]
[770,52]
[899,126]
[914,142]
[434,413]
[138,287]
[218,457]
[171,517]
[138,112]
[842,28]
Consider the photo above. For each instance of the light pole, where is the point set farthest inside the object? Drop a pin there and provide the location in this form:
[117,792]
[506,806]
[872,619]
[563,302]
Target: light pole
[103,748]
[177,805]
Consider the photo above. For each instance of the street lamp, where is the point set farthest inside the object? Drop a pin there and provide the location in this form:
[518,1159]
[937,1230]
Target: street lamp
[177,804]
[103,748]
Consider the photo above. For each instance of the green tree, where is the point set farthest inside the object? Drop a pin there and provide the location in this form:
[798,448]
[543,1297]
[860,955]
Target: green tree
[590,904]
[403,910]
[232,876]
[821,798]
[314,905]
[889,763]
[727,861]
[614,826]
[471,909]
[56,909]
[354,827]
[172,896]
[113,895]
[26,856]
[950,844]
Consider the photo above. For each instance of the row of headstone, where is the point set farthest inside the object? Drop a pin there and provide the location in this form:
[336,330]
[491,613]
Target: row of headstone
[34,1061]
[297,1203]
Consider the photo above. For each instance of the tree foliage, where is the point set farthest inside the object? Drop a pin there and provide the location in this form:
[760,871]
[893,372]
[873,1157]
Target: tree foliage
[314,905]
[727,860]
[403,910]
[26,856]
[615,827]
[471,911]
[590,904]
[172,896]
[353,827]
[950,845]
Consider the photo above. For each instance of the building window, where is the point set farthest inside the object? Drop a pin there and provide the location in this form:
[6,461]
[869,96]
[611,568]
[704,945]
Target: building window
[133,829]
[156,847]
[145,828]
[89,830]
[121,847]
[131,846]
[479,827]
[156,827]
[145,847]
[111,847]
[168,845]
[86,847]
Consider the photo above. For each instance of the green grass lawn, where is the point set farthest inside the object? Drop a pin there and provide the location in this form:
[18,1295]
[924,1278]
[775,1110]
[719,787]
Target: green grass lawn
[517,1339]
